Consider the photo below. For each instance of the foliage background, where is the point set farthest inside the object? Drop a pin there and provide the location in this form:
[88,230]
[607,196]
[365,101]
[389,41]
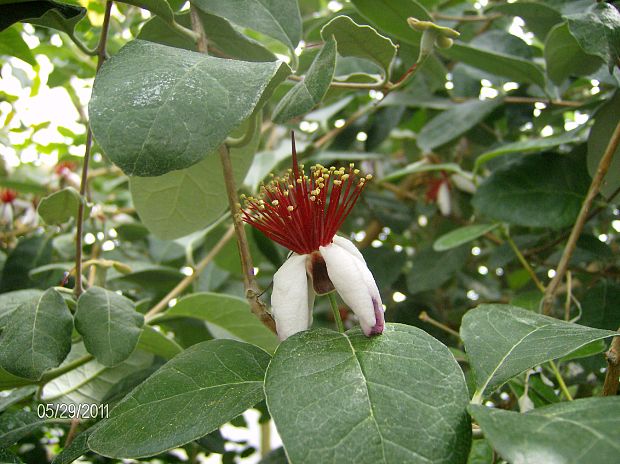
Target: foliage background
[510,123]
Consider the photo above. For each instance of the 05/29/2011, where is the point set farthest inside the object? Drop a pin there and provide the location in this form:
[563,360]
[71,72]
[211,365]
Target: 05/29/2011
[72,411]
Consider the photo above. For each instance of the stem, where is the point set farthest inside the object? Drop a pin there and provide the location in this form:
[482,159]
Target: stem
[610,387]
[560,380]
[181,286]
[424,317]
[265,438]
[54,373]
[252,291]
[82,46]
[334,304]
[101,56]
[202,46]
[569,295]
[603,167]
[524,263]
[75,423]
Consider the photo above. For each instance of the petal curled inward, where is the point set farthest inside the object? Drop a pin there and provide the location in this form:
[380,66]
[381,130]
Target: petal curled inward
[290,298]
[354,283]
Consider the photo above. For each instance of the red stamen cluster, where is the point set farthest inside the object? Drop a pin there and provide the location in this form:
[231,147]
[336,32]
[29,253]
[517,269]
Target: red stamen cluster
[432,192]
[304,212]
[7,195]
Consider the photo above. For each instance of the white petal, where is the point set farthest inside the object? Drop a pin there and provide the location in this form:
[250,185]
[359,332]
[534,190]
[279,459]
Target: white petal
[354,282]
[464,183]
[289,299]
[349,246]
[443,199]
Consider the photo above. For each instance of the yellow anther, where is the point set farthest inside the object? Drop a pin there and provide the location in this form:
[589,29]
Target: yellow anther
[290,208]
[351,165]
[290,186]
[312,198]
[261,207]
[337,182]
[275,202]
[368,176]
[356,171]
[344,178]
[242,196]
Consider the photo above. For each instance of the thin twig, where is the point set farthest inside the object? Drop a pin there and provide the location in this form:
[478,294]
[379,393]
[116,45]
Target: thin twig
[610,387]
[595,186]
[561,383]
[524,263]
[181,286]
[252,291]
[424,317]
[101,56]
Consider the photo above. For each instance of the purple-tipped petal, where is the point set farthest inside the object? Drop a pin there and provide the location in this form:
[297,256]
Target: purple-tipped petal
[290,298]
[354,282]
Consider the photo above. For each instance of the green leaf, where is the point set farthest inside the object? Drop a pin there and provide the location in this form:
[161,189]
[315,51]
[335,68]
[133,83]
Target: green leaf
[309,92]
[564,57]
[531,145]
[279,19]
[11,300]
[16,396]
[60,206]
[29,253]
[9,458]
[15,425]
[391,16]
[348,398]
[156,109]
[461,236]
[8,380]
[494,52]
[431,269]
[91,383]
[227,317]
[37,336]
[454,122]
[538,16]
[480,453]
[193,394]
[502,341]
[360,41]
[598,32]
[160,8]
[12,44]
[51,14]
[109,325]
[181,202]
[222,35]
[605,122]
[535,191]
[155,342]
[570,432]
[600,306]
